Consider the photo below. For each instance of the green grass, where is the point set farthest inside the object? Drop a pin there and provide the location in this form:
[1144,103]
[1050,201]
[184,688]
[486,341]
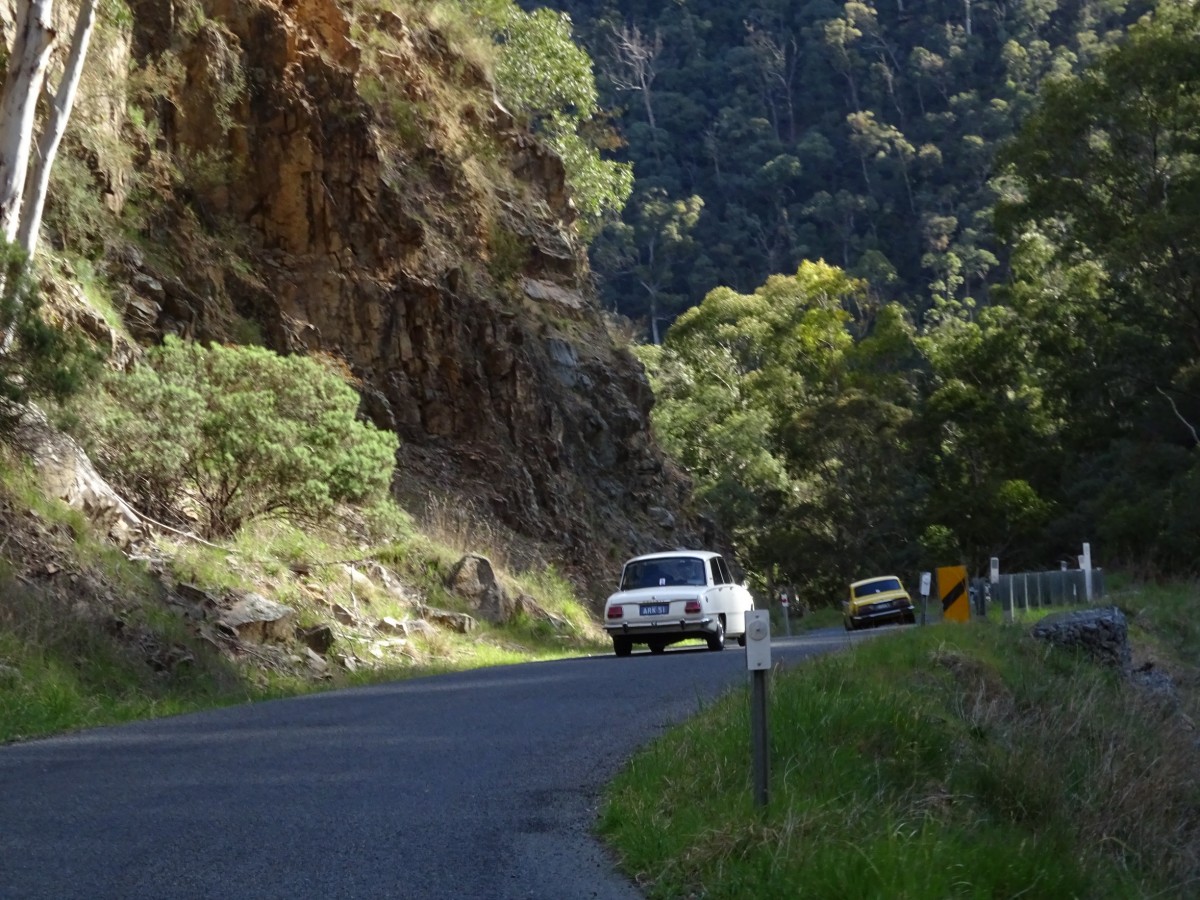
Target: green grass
[114,650]
[65,671]
[948,761]
[1165,615]
[826,617]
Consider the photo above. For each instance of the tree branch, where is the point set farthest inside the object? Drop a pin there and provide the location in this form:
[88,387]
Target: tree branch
[1175,409]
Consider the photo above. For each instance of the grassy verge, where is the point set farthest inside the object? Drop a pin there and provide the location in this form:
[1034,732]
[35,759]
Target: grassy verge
[948,761]
[825,617]
[89,637]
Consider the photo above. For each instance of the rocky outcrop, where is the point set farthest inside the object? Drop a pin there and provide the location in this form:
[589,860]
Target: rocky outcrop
[1100,633]
[68,475]
[452,286]
[474,580]
[257,620]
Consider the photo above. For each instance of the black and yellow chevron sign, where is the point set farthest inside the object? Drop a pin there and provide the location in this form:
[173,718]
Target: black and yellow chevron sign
[952,588]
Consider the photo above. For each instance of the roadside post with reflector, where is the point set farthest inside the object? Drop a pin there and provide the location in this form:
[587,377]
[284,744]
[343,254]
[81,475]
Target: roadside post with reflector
[925,584]
[758,661]
[952,588]
[994,580]
[1085,563]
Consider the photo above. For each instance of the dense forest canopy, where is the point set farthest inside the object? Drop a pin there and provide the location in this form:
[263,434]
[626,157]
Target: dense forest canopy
[947,259]
[762,134]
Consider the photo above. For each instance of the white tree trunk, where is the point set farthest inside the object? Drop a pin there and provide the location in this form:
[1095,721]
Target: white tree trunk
[22,85]
[38,179]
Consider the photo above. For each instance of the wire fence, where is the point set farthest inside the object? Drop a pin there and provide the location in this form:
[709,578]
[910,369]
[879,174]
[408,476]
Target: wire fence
[1036,590]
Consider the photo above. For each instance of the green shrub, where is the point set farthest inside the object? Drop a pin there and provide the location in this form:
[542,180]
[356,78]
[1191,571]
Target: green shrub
[236,433]
[37,359]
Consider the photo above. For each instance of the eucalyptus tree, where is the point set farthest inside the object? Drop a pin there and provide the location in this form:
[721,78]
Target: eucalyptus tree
[544,76]
[834,130]
[24,182]
[1109,169]
[22,188]
[644,253]
[792,410]
[1105,211]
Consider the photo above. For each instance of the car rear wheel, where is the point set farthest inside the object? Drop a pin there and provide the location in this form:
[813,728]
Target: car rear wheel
[622,646]
[717,641]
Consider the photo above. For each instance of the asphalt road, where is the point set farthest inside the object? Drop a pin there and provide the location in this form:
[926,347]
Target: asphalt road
[480,784]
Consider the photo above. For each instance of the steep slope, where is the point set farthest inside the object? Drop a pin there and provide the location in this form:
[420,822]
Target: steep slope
[339,179]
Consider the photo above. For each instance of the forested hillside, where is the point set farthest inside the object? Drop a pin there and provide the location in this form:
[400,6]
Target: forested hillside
[947,259]
[863,134]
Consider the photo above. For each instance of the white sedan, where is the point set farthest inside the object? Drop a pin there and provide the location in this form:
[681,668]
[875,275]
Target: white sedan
[664,598]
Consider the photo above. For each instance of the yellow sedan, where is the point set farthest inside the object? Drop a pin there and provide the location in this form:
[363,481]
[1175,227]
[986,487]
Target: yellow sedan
[874,601]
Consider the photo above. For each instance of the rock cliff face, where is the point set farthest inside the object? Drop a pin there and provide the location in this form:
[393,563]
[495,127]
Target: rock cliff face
[332,193]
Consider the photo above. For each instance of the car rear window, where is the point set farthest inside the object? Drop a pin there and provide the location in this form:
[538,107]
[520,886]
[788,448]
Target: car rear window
[679,570]
[878,586]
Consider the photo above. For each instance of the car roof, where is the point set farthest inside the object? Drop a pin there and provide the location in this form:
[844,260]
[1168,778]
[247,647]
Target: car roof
[675,554]
[876,578]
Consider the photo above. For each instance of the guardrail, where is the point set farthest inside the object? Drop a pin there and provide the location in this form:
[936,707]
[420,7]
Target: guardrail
[1036,590]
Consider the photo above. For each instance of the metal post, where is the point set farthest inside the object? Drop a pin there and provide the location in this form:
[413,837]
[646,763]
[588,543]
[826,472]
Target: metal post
[1086,565]
[926,584]
[758,736]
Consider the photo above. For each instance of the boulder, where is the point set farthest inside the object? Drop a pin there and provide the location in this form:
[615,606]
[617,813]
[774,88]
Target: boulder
[1100,633]
[388,625]
[404,627]
[316,663]
[343,615]
[529,607]
[68,475]
[473,579]
[318,638]
[455,621]
[258,620]
[360,583]
[380,574]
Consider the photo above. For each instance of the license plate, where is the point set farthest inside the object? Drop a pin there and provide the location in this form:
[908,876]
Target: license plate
[654,609]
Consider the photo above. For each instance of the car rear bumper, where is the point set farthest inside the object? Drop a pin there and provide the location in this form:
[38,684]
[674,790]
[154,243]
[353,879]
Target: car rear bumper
[673,627]
[903,614]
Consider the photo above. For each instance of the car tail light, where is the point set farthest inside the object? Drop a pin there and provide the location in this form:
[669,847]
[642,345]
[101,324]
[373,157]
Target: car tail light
[692,606]
[616,612]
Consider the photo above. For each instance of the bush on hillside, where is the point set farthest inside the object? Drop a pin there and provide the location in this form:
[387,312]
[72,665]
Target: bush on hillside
[231,434]
[40,360]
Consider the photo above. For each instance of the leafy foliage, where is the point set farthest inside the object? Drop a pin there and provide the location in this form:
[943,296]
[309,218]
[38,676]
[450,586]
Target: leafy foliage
[41,359]
[972,419]
[542,74]
[240,432]
[1103,211]
[794,431]
[858,132]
